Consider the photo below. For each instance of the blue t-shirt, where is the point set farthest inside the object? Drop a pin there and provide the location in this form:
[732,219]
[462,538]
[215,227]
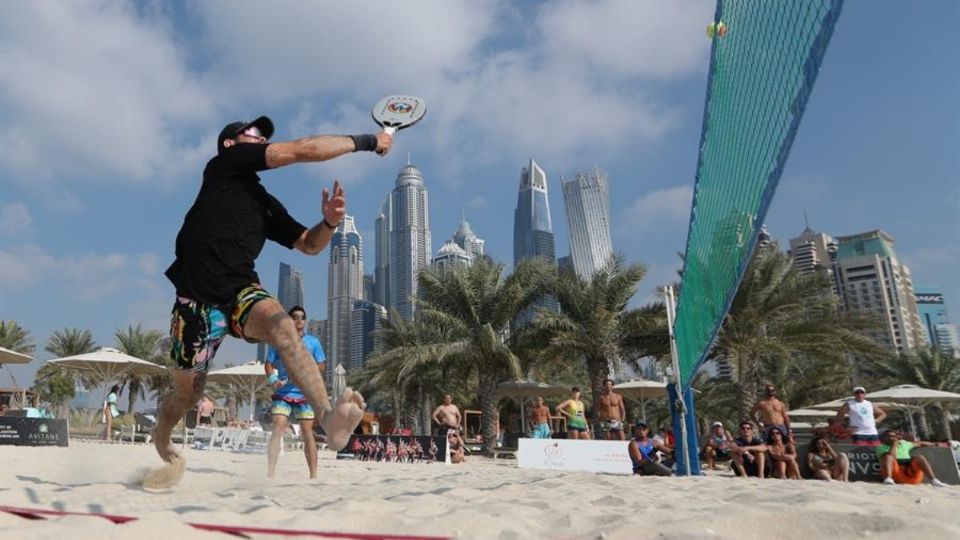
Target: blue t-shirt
[290,390]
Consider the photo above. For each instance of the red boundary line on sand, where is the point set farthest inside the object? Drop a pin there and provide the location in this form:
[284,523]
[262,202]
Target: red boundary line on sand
[40,513]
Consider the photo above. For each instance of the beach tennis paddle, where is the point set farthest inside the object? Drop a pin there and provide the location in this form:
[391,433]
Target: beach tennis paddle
[394,113]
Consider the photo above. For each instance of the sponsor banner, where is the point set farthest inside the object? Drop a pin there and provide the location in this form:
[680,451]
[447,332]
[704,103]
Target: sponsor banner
[396,449]
[224,439]
[33,431]
[575,455]
[865,466]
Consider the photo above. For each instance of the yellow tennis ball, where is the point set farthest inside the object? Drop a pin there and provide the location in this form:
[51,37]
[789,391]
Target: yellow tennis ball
[711,30]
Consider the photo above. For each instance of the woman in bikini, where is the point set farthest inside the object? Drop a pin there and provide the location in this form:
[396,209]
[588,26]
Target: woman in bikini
[826,463]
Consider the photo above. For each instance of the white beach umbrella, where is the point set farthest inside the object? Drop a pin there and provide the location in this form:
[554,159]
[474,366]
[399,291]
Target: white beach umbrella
[108,364]
[524,388]
[811,413]
[250,376]
[642,390]
[13,357]
[914,395]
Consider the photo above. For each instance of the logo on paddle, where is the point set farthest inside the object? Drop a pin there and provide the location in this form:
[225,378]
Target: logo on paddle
[399,107]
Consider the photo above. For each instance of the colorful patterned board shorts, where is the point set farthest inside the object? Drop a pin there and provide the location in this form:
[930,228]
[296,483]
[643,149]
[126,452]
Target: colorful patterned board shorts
[197,329]
[303,410]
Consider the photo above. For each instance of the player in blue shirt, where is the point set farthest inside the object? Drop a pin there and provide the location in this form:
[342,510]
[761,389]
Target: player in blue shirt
[288,399]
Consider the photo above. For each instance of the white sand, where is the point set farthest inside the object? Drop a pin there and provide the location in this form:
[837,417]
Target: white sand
[479,499]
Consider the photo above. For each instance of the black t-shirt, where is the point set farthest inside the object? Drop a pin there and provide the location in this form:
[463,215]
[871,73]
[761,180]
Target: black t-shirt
[227,226]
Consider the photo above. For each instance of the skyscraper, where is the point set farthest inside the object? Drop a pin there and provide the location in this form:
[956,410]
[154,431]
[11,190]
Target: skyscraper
[870,278]
[532,226]
[450,255]
[290,289]
[812,251]
[381,272]
[935,320]
[468,241]
[345,287]
[410,244]
[587,198]
[289,294]
[365,319]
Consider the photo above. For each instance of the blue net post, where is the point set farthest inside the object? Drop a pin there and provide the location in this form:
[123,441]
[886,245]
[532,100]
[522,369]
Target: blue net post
[679,453]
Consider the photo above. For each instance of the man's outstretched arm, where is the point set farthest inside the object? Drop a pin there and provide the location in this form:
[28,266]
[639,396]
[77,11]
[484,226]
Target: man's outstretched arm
[325,147]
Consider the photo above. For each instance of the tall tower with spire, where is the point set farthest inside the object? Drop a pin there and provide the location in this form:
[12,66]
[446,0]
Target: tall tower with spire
[410,243]
[468,240]
[344,288]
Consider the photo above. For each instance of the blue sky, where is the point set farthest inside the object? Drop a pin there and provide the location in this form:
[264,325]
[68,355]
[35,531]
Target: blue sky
[111,109]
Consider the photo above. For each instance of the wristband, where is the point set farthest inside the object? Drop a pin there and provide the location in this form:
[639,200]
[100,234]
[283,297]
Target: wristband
[364,143]
[329,225]
[273,378]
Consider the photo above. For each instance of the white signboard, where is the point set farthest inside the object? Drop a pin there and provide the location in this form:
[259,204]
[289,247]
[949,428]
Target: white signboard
[575,455]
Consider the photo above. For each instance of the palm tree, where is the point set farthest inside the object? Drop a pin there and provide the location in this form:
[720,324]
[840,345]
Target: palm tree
[472,308]
[15,338]
[595,324]
[54,384]
[394,376]
[780,319]
[929,368]
[142,344]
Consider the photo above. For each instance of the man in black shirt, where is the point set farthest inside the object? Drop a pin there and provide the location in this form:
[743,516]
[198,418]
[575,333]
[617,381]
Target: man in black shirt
[218,291]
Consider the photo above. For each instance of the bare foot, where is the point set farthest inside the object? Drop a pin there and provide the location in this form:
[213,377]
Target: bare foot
[167,451]
[167,476]
[339,423]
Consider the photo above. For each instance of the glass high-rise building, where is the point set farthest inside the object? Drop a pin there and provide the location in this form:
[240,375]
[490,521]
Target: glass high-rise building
[869,277]
[345,287]
[381,239]
[365,320]
[532,225]
[410,243]
[939,332]
[587,198]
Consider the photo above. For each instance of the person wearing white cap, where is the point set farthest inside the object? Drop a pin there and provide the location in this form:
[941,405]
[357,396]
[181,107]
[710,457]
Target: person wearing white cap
[864,417]
[718,445]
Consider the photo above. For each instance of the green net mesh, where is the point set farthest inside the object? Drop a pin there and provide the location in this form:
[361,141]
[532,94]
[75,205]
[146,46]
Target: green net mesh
[764,62]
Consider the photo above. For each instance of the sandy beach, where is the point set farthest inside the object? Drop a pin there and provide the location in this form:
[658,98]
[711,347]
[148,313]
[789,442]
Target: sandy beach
[479,499]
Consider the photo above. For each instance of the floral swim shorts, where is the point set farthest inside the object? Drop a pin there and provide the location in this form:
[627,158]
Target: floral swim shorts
[197,329]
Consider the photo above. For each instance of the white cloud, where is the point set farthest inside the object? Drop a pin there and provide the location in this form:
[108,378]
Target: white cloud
[15,219]
[83,277]
[629,38]
[671,205]
[109,91]
[92,90]
[476,203]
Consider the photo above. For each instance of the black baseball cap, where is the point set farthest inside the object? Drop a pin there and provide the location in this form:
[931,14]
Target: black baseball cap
[231,130]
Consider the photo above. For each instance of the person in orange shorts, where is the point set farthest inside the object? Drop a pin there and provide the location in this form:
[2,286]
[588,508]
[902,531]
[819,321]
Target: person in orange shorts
[897,466]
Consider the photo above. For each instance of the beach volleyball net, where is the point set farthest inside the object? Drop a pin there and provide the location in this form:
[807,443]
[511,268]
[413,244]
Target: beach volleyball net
[764,61]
